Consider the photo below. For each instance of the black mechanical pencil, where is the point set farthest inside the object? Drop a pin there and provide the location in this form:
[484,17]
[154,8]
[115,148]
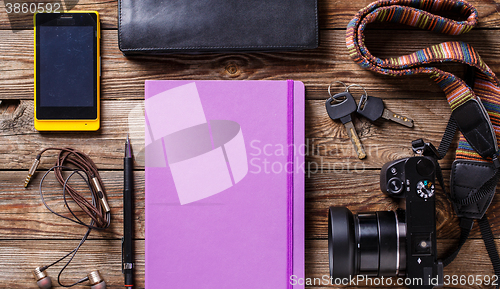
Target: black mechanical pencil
[128,216]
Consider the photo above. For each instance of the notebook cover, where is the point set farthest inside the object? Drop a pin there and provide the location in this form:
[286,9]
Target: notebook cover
[224,184]
[155,26]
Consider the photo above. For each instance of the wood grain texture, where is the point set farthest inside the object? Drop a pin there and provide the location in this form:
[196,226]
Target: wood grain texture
[23,216]
[327,144]
[360,192]
[108,10]
[331,14]
[31,236]
[20,258]
[470,262]
[123,78]
[105,146]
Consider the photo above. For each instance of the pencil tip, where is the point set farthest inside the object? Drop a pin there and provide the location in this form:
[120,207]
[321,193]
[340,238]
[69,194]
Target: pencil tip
[128,148]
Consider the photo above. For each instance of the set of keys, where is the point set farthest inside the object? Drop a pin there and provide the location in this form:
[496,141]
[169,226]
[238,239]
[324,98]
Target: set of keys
[342,106]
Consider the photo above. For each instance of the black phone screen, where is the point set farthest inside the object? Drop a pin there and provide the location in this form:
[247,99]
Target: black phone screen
[66,81]
[67,71]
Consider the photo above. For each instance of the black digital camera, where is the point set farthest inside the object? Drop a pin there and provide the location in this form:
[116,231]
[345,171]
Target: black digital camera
[399,243]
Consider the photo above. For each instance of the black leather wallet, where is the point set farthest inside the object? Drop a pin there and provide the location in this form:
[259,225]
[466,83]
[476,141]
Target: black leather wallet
[172,26]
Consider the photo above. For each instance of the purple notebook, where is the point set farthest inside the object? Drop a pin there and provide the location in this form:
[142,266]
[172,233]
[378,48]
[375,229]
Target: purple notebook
[224,184]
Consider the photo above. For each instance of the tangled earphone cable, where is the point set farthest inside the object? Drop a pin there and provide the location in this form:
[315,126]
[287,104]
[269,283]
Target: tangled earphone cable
[97,209]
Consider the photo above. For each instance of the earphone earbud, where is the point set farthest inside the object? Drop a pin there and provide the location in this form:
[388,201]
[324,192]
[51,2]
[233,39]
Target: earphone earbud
[42,280]
[96,280]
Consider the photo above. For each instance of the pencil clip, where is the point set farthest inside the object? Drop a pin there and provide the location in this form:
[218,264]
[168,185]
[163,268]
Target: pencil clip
[123,271]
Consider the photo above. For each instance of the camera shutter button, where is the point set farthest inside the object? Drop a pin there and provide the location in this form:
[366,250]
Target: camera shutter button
[395,186]
[425,167]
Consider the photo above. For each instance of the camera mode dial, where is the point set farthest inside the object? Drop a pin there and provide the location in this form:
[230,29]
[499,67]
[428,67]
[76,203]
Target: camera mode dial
[425,189]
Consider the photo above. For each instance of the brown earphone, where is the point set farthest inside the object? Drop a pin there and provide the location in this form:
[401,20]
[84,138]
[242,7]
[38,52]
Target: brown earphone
[97,208]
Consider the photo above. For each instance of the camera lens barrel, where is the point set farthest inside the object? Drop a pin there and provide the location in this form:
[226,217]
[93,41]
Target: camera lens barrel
[367,238]
[371,244]
[341,243]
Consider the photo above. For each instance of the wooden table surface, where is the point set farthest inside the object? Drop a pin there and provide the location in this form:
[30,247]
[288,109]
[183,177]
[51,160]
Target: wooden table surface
[31,236]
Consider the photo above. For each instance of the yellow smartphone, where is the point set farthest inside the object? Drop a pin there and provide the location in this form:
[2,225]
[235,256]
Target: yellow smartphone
[67,71]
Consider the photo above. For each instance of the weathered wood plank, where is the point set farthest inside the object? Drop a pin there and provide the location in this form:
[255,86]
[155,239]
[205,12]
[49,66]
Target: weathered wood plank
[124,77]
[23,216]
[328,146]
[360,192]
[337,14]
[470,262]
[20,142]
[21,257]
[31,236]
[17,20]
[331,14]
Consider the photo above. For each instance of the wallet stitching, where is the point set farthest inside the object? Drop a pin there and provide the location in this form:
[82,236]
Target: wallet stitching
[214,47]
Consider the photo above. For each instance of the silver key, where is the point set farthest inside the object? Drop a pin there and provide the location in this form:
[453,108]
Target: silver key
[342,110]
[387,114]
[373,108]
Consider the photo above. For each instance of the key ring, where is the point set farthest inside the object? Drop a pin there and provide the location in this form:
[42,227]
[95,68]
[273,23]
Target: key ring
[364,97]
[330,93]
[347,88]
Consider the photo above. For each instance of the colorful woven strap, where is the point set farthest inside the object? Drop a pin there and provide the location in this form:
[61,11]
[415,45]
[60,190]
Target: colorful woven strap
[418,13]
